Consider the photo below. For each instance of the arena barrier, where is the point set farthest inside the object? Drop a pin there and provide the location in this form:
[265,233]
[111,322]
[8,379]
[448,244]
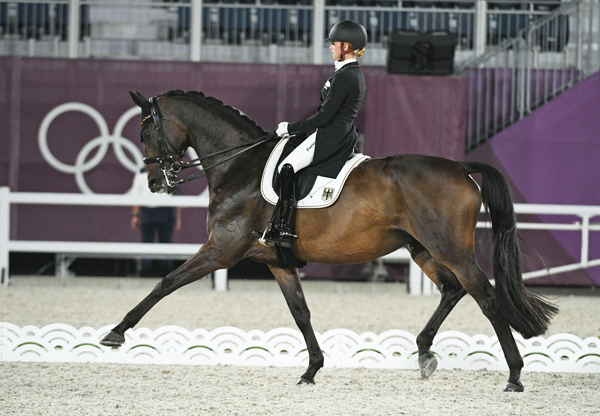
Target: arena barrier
[64,249]
[285,347]
[417,283]
[93,249]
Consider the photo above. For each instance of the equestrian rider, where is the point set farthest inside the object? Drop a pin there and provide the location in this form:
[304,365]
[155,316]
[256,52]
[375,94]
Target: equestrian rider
[325,151]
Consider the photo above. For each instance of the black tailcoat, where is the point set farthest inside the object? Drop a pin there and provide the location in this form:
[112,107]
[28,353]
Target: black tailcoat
[336,135]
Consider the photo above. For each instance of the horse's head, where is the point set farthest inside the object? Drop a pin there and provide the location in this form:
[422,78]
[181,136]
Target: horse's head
[164,142]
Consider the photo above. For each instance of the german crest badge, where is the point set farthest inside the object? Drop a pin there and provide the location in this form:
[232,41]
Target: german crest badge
[327,194]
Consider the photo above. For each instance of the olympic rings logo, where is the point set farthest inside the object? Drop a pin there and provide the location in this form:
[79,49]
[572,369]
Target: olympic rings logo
[102,142]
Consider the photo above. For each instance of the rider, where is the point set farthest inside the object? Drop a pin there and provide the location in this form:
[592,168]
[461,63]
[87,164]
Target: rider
[325,151]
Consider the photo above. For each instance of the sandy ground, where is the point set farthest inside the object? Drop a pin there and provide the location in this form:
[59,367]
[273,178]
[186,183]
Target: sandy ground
[111,389]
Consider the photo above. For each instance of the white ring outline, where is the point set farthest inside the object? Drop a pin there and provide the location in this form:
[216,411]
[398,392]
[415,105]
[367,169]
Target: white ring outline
[102,141]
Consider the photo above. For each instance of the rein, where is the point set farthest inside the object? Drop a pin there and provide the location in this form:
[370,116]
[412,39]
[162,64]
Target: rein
[171,172]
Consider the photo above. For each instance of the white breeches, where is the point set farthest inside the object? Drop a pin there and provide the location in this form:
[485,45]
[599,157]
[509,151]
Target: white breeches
[302,155]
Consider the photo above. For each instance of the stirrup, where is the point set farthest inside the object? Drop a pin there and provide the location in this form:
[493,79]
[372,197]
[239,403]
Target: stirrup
[262,238]
[283,239]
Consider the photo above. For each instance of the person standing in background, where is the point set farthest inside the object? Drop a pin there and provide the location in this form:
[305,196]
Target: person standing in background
[154,222]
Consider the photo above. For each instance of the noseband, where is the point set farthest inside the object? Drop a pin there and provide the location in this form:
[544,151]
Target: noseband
[171,165]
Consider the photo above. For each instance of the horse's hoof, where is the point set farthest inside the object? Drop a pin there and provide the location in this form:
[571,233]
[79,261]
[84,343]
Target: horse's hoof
[427,365]
[305,381]
[112,339]
[518,387]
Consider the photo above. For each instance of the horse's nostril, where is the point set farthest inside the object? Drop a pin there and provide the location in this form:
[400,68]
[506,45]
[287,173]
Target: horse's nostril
[152,182]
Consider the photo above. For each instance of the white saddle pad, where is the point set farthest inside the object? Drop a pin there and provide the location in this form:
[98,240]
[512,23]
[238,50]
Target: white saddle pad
[325,190]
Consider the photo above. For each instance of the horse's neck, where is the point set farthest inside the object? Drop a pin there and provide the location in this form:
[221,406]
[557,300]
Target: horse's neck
[241,171]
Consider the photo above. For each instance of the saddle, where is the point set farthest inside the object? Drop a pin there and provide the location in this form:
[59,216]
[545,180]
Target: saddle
[312,191]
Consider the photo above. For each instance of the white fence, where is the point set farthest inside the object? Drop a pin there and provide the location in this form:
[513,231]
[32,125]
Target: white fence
[418,284]
[94,249]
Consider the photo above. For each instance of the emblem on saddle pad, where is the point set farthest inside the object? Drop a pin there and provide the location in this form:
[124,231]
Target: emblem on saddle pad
[327,194]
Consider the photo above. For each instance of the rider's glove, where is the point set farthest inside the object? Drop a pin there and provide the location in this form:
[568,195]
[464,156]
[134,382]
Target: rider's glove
[282,129]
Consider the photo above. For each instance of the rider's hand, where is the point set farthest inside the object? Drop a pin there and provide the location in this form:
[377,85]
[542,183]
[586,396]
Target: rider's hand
[282,129]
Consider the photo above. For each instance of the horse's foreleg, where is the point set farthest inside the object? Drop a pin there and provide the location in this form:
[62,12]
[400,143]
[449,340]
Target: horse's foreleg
[206,261]
[451,291]
[290,285]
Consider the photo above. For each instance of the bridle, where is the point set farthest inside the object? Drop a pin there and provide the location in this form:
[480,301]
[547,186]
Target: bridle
[172,164]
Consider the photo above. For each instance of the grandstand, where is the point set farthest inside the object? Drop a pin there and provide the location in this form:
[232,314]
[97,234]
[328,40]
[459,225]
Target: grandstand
[253,30]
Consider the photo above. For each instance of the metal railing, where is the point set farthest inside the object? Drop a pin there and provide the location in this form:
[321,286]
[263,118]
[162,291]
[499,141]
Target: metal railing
[246,31]
[543,60]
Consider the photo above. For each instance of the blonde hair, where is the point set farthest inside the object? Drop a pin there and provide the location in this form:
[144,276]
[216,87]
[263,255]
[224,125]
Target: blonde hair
[358,53]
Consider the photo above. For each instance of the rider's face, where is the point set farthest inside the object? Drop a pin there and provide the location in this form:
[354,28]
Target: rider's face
[336,49]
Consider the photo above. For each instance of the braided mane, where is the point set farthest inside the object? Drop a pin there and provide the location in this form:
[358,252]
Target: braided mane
[198,96]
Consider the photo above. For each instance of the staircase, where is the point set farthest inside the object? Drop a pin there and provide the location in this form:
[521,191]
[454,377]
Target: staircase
[545,58]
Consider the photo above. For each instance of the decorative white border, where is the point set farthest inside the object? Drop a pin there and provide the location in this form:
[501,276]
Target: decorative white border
[285,347]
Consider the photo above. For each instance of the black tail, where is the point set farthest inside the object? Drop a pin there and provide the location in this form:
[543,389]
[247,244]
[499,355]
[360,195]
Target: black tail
[527,313]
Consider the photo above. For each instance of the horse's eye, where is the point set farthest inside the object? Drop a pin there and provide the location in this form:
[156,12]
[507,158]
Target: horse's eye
[146,135]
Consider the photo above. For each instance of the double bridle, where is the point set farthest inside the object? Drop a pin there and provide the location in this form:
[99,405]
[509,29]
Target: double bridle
[172,164]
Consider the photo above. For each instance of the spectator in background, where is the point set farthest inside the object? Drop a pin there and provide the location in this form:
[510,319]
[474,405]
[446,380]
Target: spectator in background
[161,222]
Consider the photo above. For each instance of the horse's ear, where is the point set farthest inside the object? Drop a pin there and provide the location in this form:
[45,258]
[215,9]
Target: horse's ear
[140,100]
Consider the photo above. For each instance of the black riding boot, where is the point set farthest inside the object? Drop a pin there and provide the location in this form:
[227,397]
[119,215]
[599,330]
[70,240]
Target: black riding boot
[281,228]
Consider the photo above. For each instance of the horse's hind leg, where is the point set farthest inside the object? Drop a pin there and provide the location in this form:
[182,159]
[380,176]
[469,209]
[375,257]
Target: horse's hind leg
[290,285]
[451,292]
[478,286]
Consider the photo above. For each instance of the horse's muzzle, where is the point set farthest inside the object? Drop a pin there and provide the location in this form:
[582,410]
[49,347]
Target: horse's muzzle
[157,186]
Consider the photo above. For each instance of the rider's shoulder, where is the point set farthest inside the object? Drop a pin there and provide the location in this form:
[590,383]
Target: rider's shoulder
[348,71]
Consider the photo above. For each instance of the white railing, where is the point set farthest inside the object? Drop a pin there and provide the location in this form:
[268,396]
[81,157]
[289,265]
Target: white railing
[418,283]
[129,250]
[94,249]
[585,214]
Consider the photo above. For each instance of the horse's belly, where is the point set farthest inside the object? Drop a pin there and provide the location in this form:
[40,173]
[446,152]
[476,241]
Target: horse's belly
[358,247]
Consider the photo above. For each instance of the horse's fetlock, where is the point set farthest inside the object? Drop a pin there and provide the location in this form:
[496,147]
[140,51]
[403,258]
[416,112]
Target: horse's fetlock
[424,341]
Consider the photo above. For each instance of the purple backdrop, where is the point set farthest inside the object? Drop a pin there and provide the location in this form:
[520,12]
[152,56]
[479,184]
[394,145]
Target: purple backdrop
[551,157]
[400,114]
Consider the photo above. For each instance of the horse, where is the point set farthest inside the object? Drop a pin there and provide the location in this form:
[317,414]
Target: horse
[429,205]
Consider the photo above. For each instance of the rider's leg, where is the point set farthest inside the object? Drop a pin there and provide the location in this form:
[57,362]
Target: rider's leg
[299,158]
[302,155]
[287,196]
[282,232]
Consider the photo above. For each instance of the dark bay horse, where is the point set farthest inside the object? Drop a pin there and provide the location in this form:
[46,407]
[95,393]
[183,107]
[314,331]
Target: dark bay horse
[429,205]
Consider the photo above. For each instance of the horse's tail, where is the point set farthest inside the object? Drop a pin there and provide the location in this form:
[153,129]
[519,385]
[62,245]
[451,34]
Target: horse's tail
[527,313]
